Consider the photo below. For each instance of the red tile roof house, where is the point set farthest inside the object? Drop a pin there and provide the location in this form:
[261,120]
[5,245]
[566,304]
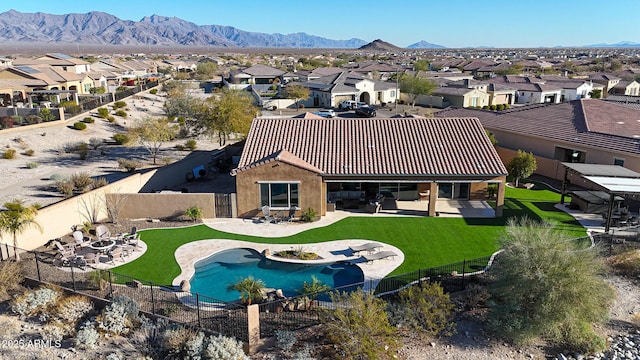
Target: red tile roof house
[585,131]
[310,163]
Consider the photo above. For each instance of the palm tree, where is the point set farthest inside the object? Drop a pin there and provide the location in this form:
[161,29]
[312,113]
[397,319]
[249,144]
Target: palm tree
[250,289]
[17,218]
[311,290]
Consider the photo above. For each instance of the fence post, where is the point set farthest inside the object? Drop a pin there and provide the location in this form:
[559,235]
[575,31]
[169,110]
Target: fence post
[464,266]
[153,303]
[73,279]
[198,309]
[110,285]
[419,278]
[37,266]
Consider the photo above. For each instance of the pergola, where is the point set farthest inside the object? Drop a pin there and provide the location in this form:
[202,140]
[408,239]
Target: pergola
[615,180]
[56,93]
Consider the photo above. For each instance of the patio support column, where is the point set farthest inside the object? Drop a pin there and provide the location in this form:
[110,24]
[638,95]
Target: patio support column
[253,326]
[433,198]
[500,198]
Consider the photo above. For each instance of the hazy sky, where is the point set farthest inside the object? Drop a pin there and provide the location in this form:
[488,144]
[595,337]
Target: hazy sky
[451,23]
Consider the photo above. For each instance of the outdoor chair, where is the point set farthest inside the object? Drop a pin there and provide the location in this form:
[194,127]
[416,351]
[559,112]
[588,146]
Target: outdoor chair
[368,247]
[378,256]
[80,239]
[267,216]
[102,232]
[67,249]
[132,234]
[91,258]
[116,252]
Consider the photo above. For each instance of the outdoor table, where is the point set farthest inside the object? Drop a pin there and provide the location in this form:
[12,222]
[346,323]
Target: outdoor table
[103,245]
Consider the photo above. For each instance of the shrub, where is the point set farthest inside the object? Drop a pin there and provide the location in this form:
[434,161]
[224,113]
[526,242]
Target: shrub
[82,150]
[99,279]
[538,277]
[111,119]
[82,181]
[179,147]
[79,125]
[475,296]
[29,152]
[17,119]
[500,107]
[10,277]
[190,144]
[87,336]
[99,182]
[33,119]
[224,347]
[65,187]
[121,113]
[46,114]
[70,311]
[309,215]
[9,154]
[627,263]
[95,143]
[492,107]
[358,326]
[285,339]
[128,164]
[507,106]
[32,164]
[119,317]
[194,213]
[153,91]
[103,113]
[88,120]
[485,107]
[428,308]
[35,301]
[175,341]
[71,107]
[57,177]
[119,104]
[121,139]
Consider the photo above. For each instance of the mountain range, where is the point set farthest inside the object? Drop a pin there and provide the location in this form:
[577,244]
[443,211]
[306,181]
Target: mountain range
[101,28]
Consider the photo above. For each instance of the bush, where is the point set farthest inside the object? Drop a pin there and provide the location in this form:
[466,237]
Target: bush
[82,181]
[309,215]
[190,144]
[119,104]
[32,165]
[99,182]
[46,114]
[538,278]
[627,263]
[128,164]
[88,120]
[121,113]
[153,91]
[358,326]
[33,119]
[179,147]
[10,277]
[71,310]
[9,154]
[29,152]
[121,139]
[500,107]
[79,125]
[82,150]
[87,336]
[65,187]
[428,308]
[111,119]
[71,107]
[36,301]
[95,143]
[485,107]
[103,113]
[17,119]
[194,213]
[119,317]
[285,339]
[492,107]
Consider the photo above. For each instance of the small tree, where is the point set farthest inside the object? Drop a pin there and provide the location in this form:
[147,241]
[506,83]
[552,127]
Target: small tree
[152,133]
[17,218]
[522,165]
[596,93]
[414,86]
[194,213]
[46,114]
[298,92]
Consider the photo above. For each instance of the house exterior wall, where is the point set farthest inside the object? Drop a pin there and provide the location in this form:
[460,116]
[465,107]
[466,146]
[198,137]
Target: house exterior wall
[248,189]
[468,99]
[496,98]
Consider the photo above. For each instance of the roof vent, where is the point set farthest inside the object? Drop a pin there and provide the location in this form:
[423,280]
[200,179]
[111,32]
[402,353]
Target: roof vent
[620,122]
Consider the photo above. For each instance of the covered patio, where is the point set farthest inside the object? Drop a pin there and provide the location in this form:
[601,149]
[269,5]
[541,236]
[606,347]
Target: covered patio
[617,182]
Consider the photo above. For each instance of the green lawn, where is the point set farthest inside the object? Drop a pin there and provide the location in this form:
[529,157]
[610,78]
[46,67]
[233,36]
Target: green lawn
[425,241]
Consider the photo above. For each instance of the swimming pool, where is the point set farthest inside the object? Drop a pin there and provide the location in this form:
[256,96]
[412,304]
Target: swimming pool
[215,273]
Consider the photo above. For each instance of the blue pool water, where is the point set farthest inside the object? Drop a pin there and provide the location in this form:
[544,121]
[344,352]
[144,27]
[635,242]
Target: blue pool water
[215,273]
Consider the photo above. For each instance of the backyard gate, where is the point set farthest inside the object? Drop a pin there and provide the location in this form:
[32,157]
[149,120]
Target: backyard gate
[223,206]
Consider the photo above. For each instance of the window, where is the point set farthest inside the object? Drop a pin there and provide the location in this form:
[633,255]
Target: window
[453,190]
[619,162]
[279,195]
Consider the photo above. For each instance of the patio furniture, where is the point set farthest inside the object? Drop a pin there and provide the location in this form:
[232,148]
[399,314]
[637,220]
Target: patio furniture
[80,239]
[67,249]
[368,247]
[267,216]
[117,252]
[378,256]
[102,232]
[91,258]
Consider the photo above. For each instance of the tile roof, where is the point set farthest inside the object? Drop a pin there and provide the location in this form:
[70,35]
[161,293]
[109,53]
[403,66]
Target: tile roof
[377,146]
[587,122]
[282,155]
[263,70]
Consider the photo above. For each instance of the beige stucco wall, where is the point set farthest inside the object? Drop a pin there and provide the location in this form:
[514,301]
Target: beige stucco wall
[160,206]
[56,219]
[248,190]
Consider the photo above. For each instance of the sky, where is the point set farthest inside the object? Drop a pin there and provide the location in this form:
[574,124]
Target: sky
[451,23]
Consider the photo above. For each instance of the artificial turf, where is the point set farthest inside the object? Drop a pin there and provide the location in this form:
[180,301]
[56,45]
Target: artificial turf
[425,241]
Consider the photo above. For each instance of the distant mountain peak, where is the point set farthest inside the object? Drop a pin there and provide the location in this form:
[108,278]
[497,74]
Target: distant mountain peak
[379,45]
[425,45]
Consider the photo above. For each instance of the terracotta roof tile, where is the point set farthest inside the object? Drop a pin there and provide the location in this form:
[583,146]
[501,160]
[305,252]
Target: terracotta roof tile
[378,147]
